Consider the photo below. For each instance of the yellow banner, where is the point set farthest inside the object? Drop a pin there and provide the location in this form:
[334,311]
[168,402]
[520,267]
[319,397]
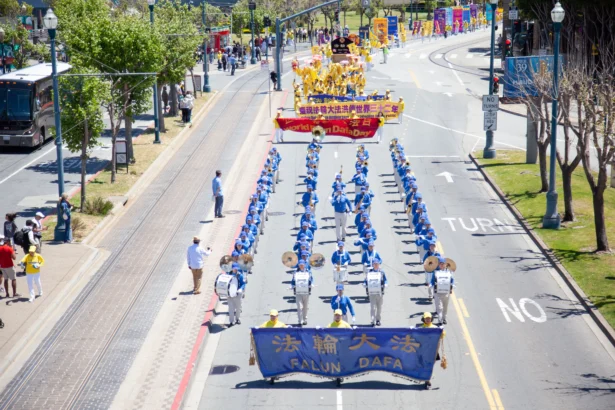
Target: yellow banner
[381,28]
[315,50]
[341,110]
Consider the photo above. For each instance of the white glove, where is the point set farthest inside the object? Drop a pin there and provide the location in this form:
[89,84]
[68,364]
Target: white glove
[318,327]
[354,319]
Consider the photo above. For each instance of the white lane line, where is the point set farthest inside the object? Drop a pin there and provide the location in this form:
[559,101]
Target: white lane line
[335,154]
[453,56]
[423,56]
[432,156]
[459,132]
[455,73]
[475,144]
[27,165]
[340,404]
[470,56]
[438,56]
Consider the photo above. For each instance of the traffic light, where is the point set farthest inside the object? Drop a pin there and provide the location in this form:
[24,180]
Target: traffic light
[267,21]
[495,86]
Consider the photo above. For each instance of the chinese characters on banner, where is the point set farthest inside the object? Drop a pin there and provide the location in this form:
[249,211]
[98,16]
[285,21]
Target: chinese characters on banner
[340,110]
[355,129]
[381,28]
[334,353]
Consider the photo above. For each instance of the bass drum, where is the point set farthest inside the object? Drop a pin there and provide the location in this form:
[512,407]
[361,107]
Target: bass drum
[223,285]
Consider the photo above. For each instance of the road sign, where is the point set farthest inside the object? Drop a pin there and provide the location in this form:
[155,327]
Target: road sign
[265,65]
[491,121]
[491,102]
[513,14]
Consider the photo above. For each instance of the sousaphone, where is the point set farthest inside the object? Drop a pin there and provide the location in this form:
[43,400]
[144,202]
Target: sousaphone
[318,133]
[431,264]
[226,263]
[317,261]
[246,262]
[289,259]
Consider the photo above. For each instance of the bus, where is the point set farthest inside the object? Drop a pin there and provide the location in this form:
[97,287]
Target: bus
[26,105]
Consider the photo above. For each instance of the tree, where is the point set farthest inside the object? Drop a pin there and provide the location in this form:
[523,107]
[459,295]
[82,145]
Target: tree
[82,119]
[9,8]
[23,49]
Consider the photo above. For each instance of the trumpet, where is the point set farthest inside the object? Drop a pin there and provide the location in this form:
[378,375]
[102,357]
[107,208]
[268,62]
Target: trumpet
[341,169]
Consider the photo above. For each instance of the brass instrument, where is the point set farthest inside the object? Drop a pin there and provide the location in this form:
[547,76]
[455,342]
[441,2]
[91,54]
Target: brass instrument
[393,144]
[246,262]
[365,163]
[289,259]
[341,169]
[317,261]
[430,264]
[318,133]
[226,263]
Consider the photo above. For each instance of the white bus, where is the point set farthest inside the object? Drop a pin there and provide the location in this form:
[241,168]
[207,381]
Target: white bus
[26,105]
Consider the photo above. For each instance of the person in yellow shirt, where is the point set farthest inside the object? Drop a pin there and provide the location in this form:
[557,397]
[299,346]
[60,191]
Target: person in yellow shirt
[402,107]
[381,121]
[32,263]
[273,320]
[337,320]
[427,323]
[279,134]
[387,95]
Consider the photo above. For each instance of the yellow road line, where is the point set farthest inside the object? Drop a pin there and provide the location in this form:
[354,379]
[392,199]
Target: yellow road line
[498,402]
[416,81]
[462,305]
[473,354]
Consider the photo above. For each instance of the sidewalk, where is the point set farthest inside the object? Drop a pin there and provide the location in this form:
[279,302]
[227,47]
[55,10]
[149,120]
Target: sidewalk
[26,324]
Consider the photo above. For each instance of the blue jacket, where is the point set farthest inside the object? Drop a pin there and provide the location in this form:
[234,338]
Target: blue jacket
[430,253]
[308,234]
[253,229]
[344,303]
[307,267]
[363,243]
[305,199]
[362,199]
[410,197]
[425,241]
[311,182]
[416,205]
[250,235]
[371,230]
[343,259]
[336,183]
[241,284]
[366,255]
[342,205]
[263,198]
[357,220]
[313,225]
[358,179]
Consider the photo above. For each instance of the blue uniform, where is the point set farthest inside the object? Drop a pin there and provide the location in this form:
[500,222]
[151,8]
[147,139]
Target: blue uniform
[312,221]
[364,231]
[362,199]
[341,259]
[311,182]
[305,199]
[430,253]
[425,241]
[358,179]
[338,185]
[363,243]
[241,283]
[375,256]
[309,237]
[343,303]
[341,204]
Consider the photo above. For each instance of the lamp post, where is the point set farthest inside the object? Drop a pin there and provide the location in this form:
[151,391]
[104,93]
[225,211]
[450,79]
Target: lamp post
[552,219]
[252,6]
[2,47]
[151,4]
[206,86]
[51,24]
[489,151]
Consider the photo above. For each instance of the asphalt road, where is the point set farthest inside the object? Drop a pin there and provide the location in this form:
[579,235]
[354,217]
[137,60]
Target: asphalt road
[516,337]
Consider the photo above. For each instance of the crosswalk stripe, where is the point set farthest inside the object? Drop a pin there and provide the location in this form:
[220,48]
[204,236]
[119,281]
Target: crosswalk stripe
[423,56]
[438,56]
[453,56]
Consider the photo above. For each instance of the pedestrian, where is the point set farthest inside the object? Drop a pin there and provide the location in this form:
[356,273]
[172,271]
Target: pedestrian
[165,99]
[224,61]
[219,57]
[381,121]
[233,62]
[337,321]
[279,133]
[274,78]
[385,53]
[189,105]
[32,263]
[38,228]
[218,195]
[66,209]
[10,228]
[196,262]
[7,267]
[402,107]
[443,282]
[273,320]
[25,237]
[427,323]
[343,303]
[183,109]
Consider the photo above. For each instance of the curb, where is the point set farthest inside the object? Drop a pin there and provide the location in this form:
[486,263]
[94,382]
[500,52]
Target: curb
[593,311]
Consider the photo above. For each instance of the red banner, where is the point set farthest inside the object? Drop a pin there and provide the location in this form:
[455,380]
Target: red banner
[350,128]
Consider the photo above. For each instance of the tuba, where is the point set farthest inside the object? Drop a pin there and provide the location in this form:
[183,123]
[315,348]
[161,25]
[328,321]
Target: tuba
[393,144]
[318,133]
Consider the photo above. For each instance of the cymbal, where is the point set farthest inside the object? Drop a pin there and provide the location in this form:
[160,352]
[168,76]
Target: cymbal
[451,265]
[289,259]
[246,261]
[430,264]
[226,263]
[317,261]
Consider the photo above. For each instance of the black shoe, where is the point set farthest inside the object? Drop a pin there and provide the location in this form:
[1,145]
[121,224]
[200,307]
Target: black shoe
[231,324]
[427,385]
[304,322]
[238,322]
[377,323]
[444,321]
[221,216]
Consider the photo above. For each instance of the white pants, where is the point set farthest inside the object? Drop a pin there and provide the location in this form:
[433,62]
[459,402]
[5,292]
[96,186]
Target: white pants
[401,117]
[380,133]
[441,301]
[428,276]
[422,252]
[375,305]
[234,308]
[279,135]
[34,278]
[340,225]
[302,307]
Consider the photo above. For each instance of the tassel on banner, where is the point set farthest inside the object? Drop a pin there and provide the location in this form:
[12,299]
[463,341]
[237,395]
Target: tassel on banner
[443,362]
[252,360]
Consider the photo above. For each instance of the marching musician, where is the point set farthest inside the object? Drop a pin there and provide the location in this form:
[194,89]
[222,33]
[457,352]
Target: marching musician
[369,257]
[415,219]
[302,287]
[411,193]
[340,257]
[419,203]
[304,258]
[315,145]
[419,227]
[309,198]
[338,322]
[442,283]
[358,179]
[313,166]
[341,205]
[301,246]
[243,240]
[306,232]
[250,236]
[308,217]
[256,219]
[310,180]
[428,275]
[375,283]
[273,320]
[360,219]
[343,303]
[361,151]
[423,241]
[368,190]
[266,181]
[238,287]
[367,228]
[338,183]
[252,226]
[262,195]
[239,249]
[363,199]
[364,241]
[361,163]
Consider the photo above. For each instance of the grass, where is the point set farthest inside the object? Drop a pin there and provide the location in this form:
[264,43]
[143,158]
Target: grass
[574,244]
[145,154]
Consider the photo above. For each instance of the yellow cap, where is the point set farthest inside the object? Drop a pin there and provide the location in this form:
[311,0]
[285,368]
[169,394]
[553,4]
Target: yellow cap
[338,312]
[32,248]
[426,315]
[273,312]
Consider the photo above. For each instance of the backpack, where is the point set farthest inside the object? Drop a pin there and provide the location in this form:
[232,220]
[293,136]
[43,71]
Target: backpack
[21,238]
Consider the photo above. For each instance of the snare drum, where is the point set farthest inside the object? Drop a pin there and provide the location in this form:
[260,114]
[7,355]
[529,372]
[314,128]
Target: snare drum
[223,285]
[340,276]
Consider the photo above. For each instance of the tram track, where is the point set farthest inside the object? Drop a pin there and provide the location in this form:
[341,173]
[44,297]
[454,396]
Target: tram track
[19,384]
[446,63]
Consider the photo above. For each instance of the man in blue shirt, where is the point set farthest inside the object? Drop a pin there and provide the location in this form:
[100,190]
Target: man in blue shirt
[216,187]
[342,302]
[234,299]
[309,196]
[341,205]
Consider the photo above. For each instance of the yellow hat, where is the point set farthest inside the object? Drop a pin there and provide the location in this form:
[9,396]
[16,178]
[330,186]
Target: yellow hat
[426,315]
[273,312]
[338,312]
[32,248]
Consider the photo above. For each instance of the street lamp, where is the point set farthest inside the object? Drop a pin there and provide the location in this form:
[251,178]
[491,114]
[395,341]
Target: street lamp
[252,6]
[151,4]
[552,219]
[50,21]
[2,47]
[489,151]
[206,86]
